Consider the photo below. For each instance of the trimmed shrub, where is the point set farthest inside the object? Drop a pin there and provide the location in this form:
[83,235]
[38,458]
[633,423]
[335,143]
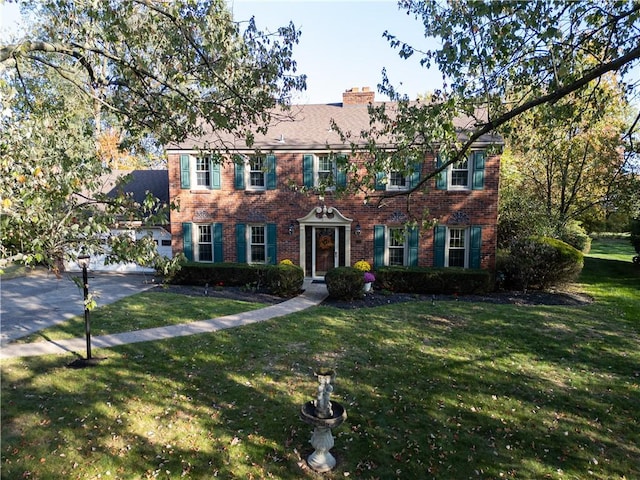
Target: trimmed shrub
[284,280]
[433,280]
[344,283]
[228,274]
[577,237]
[539,263]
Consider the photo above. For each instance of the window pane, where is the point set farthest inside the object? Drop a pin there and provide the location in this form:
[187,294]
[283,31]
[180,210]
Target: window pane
[456,238]
[257,179]
[257,234]
[257,254]
[396,256]
[456,258]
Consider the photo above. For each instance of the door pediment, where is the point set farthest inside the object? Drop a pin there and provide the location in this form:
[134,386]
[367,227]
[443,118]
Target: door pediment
[324,216]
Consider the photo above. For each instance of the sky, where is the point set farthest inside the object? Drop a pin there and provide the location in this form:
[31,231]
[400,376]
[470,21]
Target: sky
[341,45]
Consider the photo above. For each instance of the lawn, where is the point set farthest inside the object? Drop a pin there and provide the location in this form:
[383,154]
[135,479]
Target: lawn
[449,391]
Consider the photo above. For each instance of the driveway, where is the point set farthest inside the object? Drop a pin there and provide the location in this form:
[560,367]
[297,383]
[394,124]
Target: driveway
[40,299]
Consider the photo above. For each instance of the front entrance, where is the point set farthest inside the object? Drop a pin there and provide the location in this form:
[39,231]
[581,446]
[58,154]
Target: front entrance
[324,241]
[326,250]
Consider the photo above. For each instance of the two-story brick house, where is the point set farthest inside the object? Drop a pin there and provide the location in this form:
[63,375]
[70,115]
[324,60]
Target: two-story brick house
[262,208]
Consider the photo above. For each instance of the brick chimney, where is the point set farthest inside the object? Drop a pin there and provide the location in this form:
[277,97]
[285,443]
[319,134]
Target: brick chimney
[354,96]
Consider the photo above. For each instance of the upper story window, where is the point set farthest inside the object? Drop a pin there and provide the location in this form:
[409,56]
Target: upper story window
[397,181]
[256,172]
[200,172]
[465,174]
[203,172]
[403,178]
[324,171]
[460,174]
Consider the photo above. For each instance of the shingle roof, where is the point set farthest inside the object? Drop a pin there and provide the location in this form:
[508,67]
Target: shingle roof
[154,181]
[308,127]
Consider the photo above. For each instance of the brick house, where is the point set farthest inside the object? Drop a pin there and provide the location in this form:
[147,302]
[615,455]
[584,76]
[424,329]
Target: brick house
[262,208]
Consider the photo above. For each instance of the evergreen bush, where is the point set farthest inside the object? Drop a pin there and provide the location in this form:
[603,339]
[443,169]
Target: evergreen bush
[344,283]
[539,263]
[284,280]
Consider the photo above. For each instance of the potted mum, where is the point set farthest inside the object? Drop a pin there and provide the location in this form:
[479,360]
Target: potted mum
[369,277]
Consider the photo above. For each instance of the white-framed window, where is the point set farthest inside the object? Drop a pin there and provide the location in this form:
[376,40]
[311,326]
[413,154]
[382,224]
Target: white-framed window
[396,247]
[325,171]
[465,174]
[204,243]
[397,180]
[257,244]
[460,177]
[457,247]
[203,172]
[255,169]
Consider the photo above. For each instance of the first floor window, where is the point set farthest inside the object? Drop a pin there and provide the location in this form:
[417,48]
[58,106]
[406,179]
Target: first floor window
[258,245]
[457,247]
[396,246]
[204,252]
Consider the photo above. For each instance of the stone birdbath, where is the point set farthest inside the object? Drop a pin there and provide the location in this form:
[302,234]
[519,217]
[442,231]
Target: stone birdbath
[323,414]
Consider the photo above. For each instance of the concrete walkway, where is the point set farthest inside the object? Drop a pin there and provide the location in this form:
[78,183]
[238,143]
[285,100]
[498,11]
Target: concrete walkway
[313,294]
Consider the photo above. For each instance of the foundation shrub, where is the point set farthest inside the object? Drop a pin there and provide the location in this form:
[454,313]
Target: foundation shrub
[433,280]
[284,280]
[226,274]
[539,263]
[344,283]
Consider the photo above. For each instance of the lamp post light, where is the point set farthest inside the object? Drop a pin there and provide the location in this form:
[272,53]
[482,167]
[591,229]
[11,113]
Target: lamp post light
[83,262]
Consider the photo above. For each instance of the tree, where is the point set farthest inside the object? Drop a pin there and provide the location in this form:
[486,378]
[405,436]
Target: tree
[570,153]
[499,59]
[154,72]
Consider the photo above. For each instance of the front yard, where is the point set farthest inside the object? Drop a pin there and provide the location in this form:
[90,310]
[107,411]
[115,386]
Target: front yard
[448,390]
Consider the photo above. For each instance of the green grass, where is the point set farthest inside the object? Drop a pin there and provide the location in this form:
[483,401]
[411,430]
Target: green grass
[145,310]
[453,390]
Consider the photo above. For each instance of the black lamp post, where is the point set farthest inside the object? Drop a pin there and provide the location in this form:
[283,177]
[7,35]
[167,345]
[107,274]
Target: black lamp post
[83,262]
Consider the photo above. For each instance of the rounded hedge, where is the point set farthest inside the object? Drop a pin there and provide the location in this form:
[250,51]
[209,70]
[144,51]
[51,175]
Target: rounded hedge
[539,263]
[344,283]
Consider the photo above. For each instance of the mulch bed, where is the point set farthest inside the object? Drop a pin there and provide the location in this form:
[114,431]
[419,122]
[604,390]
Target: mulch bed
[376,298]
